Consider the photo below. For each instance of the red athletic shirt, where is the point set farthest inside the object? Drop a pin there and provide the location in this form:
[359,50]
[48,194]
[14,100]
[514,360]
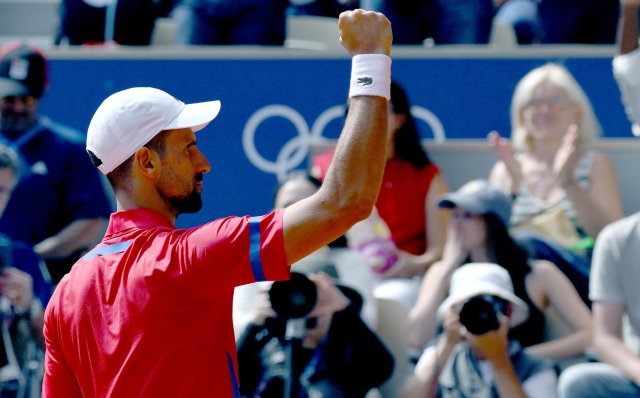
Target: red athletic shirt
[147,313]
[401,201]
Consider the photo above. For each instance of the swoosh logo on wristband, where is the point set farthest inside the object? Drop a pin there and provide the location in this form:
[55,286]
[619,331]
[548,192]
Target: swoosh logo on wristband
[364,81]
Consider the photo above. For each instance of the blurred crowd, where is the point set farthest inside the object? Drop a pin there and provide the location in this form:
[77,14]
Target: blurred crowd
[263,22]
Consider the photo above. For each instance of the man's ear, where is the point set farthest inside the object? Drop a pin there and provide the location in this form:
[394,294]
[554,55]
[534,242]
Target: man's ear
[147,162]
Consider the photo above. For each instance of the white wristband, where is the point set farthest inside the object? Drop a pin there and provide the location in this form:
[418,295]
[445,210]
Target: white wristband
[371,75]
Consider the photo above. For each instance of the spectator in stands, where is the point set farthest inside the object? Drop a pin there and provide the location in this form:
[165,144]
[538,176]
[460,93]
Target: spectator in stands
[342,263]
[260,22]
[560,21]
[25,289]
[407,202]
[447,21]
[59,205]
[523,16]
[338,355]
[478,233]
[616,272]
[321,8]
[487,363]
[627,64]
[125,22]
[564,193]
[579,21]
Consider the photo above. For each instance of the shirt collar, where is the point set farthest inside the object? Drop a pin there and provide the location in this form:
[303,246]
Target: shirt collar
[137,218]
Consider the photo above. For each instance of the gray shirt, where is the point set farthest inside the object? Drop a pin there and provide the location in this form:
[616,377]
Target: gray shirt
[615,267]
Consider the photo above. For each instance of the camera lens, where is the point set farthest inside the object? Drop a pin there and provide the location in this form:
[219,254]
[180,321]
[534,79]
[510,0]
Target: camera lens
[294,298]
[479,314]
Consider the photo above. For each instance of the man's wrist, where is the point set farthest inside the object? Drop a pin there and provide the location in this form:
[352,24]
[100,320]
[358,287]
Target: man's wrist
[370,76]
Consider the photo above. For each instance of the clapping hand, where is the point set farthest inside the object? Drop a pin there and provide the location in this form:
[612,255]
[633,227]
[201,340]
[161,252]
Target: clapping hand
[567,157]
[505,152]
[453,254]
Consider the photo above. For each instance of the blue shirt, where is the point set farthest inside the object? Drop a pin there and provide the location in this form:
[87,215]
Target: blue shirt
[26,260]
[59,184]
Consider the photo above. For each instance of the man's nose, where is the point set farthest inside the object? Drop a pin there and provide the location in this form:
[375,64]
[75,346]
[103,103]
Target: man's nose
[203,164]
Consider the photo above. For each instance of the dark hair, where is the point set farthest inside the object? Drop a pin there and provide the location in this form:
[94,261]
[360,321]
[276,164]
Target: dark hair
[9,160]
[407,139]
[503,250]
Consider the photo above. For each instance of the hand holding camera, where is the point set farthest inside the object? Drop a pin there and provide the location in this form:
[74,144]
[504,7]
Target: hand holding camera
[18,287]
[492,345]
[262,309]
[330,298]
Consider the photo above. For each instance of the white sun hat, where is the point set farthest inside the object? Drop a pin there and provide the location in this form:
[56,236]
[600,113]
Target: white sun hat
[129,119]
[475,279]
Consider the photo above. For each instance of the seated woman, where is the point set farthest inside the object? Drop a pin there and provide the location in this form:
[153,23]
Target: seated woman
[478,233]
[475,356]
[564,193]
[407,201]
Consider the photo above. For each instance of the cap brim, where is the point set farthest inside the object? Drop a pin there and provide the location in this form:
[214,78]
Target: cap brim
[9,88]
[466,202]
[195,116]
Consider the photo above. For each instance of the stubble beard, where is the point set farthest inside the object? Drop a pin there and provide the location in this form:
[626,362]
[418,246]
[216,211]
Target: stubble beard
[188,203]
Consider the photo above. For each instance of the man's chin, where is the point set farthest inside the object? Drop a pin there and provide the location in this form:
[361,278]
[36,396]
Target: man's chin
[192,204]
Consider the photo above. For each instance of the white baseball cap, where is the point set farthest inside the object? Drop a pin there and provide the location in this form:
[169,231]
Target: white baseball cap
[129,119]
[475,279]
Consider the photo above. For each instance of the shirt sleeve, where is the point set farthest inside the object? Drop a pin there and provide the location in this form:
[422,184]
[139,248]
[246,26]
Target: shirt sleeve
[625,70]
[59,380]
[235,251]
[605,282]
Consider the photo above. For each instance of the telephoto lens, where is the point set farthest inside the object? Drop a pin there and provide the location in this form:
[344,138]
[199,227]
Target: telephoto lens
[480,313]
[294,298]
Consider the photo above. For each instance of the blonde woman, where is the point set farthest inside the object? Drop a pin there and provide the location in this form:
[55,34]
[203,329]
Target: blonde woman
[564,192]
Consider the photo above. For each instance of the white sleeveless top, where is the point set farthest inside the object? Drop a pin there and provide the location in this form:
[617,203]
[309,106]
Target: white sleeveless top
[525,205]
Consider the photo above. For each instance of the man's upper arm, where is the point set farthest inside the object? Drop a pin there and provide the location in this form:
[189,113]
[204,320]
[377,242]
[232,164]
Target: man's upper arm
[625,69]
[607,320]
[231,252]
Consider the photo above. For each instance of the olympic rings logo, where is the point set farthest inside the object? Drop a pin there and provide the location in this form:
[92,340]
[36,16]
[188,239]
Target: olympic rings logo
[296,149]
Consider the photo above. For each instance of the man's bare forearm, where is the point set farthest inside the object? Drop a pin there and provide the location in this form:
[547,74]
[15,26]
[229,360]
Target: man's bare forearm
[628,31]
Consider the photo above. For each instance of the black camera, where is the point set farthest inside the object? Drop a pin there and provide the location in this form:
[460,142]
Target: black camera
[480,313]
[294,298]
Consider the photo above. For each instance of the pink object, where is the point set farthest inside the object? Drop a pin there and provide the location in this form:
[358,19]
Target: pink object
[380,254]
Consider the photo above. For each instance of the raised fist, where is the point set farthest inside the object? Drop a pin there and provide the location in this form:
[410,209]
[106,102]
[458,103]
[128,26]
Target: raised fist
[365,32]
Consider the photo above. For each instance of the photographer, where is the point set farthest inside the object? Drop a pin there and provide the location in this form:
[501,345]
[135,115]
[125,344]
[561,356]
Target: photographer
[338,355]
[25,288]
[485,364]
